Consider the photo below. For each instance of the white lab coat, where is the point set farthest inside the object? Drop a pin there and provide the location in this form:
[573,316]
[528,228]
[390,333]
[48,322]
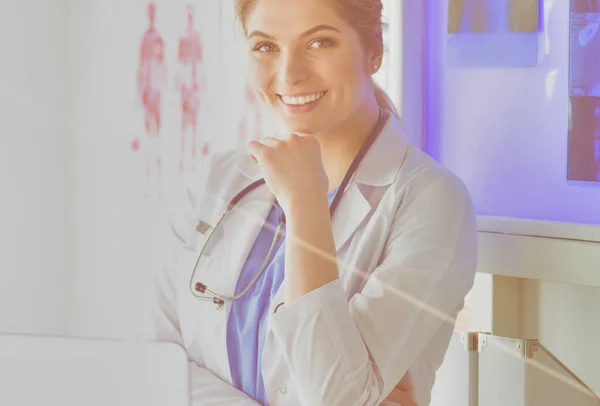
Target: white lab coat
[404,220]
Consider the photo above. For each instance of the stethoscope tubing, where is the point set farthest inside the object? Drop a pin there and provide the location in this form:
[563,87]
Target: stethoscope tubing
[218,298]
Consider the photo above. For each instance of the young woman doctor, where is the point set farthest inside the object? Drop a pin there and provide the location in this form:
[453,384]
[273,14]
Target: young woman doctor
[325,268]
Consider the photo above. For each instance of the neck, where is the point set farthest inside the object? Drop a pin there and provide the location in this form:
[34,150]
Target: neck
[342,144]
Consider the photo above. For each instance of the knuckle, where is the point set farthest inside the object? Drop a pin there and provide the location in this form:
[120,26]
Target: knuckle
[269,153]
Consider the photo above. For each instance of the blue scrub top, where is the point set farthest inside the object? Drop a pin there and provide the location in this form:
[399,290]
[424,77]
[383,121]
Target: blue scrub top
[247,323]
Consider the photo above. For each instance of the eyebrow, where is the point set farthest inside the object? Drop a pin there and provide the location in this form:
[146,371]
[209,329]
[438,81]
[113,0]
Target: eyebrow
[322,27]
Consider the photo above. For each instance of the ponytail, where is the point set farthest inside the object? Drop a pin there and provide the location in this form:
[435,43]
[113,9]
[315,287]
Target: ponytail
[383,100]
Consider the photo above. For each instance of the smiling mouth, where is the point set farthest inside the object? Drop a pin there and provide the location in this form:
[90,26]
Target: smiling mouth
[301,100]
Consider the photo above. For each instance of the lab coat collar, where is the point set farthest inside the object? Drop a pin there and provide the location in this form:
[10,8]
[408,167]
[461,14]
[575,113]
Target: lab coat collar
[380,165]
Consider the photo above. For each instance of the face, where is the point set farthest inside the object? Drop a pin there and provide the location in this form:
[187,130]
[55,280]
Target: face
[307,64]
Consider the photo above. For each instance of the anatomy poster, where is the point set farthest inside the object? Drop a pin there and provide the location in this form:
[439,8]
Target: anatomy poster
[190,83]
[192,94]
[151,84]
[584,92]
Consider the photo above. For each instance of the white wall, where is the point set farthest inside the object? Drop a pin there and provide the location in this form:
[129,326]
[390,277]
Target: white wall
[33,141]
[118,229]
[566,319]
[504,132]
[33,154]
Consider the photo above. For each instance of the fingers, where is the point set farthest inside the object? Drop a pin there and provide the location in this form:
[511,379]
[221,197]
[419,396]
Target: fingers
[404,398]
[403,393]
[270,141]
[257,149]
[254,150]
[405,383]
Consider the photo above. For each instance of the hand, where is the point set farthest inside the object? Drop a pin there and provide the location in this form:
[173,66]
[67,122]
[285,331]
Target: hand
[403,393]
[292,167]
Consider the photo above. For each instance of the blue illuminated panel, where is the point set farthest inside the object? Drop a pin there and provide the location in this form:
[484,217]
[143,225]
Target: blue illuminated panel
[584,92]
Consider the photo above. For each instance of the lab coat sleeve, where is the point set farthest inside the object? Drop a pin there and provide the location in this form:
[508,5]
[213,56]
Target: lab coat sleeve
[345,353]
[206,389]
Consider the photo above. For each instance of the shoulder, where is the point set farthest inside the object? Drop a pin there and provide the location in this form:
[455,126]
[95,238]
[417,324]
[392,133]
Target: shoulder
[426,181]
[224,170]
[410,172]
[218,175]
[435,208]
[434,223]
[203,190]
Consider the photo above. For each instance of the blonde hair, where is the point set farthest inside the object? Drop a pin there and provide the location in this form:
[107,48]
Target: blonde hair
[365,16]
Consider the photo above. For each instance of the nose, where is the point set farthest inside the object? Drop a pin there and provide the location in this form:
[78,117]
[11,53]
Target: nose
[293,68]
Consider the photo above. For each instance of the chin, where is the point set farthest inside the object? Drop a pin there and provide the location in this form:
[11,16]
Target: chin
[303,129]
[304,125]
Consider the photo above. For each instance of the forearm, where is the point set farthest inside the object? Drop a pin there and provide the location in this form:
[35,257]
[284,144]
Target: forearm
[323,347]
[310,253]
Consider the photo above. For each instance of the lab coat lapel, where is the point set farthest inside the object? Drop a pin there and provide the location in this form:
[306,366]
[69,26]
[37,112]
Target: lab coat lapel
[353,208]
[378,168]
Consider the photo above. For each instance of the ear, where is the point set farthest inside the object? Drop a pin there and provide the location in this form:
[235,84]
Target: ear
[376,61]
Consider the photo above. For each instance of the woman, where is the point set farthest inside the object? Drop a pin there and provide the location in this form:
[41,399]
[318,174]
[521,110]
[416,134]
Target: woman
[280,301]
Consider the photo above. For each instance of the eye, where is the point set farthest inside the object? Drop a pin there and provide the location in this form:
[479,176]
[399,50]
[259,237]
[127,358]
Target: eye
[322,43]
[264,47]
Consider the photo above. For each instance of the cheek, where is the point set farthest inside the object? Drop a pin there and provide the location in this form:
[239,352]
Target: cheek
[261,74]
[348,76]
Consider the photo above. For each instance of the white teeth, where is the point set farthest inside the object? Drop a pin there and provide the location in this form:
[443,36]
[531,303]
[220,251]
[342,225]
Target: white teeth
[302,99]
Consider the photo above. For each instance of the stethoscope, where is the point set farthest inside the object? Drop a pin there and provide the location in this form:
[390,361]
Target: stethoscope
[202,292]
